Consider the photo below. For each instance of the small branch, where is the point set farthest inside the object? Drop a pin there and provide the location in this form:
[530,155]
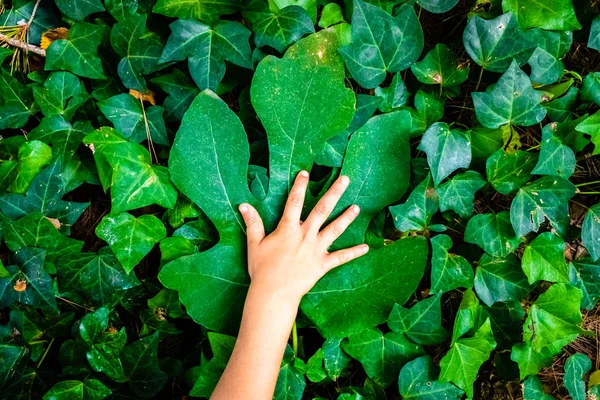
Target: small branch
[37,4]
[22,45]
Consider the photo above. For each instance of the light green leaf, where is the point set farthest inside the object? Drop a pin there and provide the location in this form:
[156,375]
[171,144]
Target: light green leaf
[508,171]
[585,274]
[79,9]
[330,15]
[531,362]
[204,10]
[594,38]
[130,238]
[511,101]
[493,233]
[559,15]
[576,367]
[591,126]
[441,67]
[589,88]
[77,53]
[500,279]
[315,372]
[62,94]
[458,193]
[381,43]
[416,213]
[121,9]
[556,158]
[470,316]
[418,381]
[544,259]
[140,364]
[448,271]
[32,157]
[545,198]
[422,323]
[533,390]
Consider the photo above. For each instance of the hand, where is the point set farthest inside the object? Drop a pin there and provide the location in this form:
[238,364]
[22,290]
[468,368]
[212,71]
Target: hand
[288,262]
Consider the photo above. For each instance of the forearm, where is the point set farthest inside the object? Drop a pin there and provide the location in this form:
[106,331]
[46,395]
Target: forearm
[254,365]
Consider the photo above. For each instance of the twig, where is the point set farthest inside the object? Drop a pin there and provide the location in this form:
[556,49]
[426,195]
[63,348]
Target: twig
[22,45]
[37,4]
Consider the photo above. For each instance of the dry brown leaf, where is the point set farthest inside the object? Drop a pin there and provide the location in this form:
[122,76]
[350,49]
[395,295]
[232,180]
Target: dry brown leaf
[148,96]
[55,222]
[20,285]
[51,35]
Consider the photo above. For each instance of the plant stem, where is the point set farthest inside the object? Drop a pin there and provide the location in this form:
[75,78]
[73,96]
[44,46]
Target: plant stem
[588,193]
[22,45]
[295,338]
[479,80]
[587,183]
[45,353]
[37,4]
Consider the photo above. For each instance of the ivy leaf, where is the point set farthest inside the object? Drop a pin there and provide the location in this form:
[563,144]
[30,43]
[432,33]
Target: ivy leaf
[547,197]
[556,158]
[382,356]
[32,157]
[134,122]
[89,389]
[576,367]
[440,67]
[469,317]
[62,94]
[422,323]
[28,282]
[416,213]
[448,271]
[168,301]
[14,357]
[207,48]
[140,51]
[560,109]
[418,381]
[493,233]
[277,29]
[437,6]
[204,10]
[554,318]
[331,15]
[533,390]
[508,171]
[64,137]
[315,372]
[334,358]
[585,274]
[537,14]
[140,364]
[544,259]
[181,92]
[16,102]
[545,68]
[290,382]
[591,126]
[97,276]
[506,320]
[381,43]
[494,43]
[79,9]
[500,279]
[511,101]
[531,362]
[43,19]
[589,88]
[447,150]
[594,38]
[77,53]
[394,96]
[485,142]
[462,362]
[211,371]
[458,193]
[130,238]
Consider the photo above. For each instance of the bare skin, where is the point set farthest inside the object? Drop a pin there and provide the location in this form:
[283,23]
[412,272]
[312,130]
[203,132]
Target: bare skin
[283,267]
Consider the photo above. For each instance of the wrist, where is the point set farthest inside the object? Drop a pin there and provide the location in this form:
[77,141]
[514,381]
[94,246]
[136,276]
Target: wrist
[265,294]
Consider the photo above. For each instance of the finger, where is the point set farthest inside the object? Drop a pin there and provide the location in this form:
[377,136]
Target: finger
[325,206]
[255,230]
[295,200]
[340,257]
[335,229]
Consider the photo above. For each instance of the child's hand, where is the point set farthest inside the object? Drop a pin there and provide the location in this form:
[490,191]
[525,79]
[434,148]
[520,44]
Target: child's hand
[288,262]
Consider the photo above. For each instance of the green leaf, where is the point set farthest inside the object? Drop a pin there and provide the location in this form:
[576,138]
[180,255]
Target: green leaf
[211,371]
[133,121]
[438,6]
[559,16]
[545,198]
[458,193]
[64,137]
[79,9]
[140,364]
[180,90]
[16,102]
[89,389]
[43,19]
[594,38]
[394,96]
[140,51]
[511,101]
[205,10]
[531,362]
[506,320]
[448,271]
[556,158]
[207,48]
[77,53]
[494,43]
[62,94]
[97,276]
[418,381]
[168,301]
[554,318]
[121,9]
[493,233]
[334,358]
[32,157]
[576,367]
[500,279]
[290,382]
[462,362]
[382,356]
[416,213]
[585,274]
[545,68]
[130,238]
[485,142]
[28,283]
[589,88]
[381,43]
[330,15]
[544,259]
[533,390]
[560,109]
[14,357]
[447,150]
[591,126]
[440,67]
[315,372]
[508,171]
[469,317]
[277,29]
[422,323]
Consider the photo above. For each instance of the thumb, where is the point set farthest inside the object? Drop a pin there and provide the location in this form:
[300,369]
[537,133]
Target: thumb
[255,229]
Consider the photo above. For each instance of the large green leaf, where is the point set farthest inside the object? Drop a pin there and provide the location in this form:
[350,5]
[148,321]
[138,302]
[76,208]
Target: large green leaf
[585,274]
[381,43]
[494,43]
[78,53]
[559,15]
[130,238]
[500,279]
[420,206]
[544,259]
[576,367]
[422,323]
[531,362]
[16,102]
[493,233]
[545,68]
[458,193]
[441,67]
[511,101]
[207,48]
[382,356]
[556,158]
[418,381]
[89,389]
[448,271]
[140,364]
[31,158]
[545,198]
[79,9]
[62,94]
[508,171]
[205,10]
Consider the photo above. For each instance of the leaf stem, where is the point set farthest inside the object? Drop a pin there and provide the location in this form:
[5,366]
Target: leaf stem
[45,353]
[479,80]
[295,339]
[588,193]
[587,183]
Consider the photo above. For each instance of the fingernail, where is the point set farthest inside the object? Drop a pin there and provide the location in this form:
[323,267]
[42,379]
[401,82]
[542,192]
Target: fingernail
[304,173]
[345,180]
[364,248]
[243,208]
[355,209]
